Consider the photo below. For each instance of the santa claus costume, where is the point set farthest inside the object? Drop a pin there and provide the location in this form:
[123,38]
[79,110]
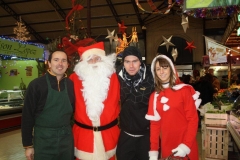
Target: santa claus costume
[97,93]
[173,116]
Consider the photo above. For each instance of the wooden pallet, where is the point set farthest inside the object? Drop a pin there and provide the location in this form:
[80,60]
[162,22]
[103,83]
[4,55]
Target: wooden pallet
[216,143]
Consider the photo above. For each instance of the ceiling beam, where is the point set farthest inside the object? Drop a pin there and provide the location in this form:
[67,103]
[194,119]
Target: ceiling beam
[137,13]
[113,10]
[58,8]
[17,17]
[231,26]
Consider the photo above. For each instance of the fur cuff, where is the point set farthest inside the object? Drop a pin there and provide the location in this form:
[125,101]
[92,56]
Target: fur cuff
[196,95]
[198,102]
[153,153]
[156,117]
[185,148]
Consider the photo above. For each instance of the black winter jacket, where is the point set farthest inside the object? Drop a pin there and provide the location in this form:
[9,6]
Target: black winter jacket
[134,105]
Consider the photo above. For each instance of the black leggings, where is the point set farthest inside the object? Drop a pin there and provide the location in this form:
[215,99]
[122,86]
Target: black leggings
[133,148]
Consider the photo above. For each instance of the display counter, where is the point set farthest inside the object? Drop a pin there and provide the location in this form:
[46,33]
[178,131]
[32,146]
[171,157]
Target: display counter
[233,126]
[11,103]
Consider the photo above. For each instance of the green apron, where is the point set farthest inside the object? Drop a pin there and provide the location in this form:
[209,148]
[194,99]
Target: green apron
[53,139]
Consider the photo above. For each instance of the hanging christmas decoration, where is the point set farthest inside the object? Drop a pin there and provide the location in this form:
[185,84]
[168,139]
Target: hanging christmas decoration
[76,34]
[185,23]
[216,12]
[110,36]
[121,27]
[155,10]
[134,35]
[167,42]
[116,39]
[174,54]
[20,31]
[190,46]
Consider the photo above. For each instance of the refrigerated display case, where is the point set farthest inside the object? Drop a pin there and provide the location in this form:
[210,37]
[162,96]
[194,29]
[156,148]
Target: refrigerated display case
[11,103]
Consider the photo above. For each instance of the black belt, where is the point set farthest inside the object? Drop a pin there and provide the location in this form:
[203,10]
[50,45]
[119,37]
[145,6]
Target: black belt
[97,128]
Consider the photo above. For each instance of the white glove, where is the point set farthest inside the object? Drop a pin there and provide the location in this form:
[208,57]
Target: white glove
[153,155]
[153,158]
[182,150]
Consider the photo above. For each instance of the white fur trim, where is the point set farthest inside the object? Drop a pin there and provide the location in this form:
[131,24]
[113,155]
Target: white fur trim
[95,80]
[166,107]
[153,153]
[179,86]
[153,118]
[93,51]
[198,102]
[164,99]
[196,95]
[156,116]
[165,57]
[185,148]
[87,155]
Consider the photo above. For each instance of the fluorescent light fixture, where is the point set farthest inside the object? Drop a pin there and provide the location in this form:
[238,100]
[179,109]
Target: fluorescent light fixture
[14,57]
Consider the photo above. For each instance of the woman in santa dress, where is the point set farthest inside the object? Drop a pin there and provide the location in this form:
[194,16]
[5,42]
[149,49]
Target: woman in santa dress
[172,113]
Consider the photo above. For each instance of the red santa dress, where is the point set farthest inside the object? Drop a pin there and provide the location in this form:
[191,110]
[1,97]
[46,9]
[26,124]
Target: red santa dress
[85,139]
[174,117]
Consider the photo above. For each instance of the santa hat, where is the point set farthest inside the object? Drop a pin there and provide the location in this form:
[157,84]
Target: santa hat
[95,49]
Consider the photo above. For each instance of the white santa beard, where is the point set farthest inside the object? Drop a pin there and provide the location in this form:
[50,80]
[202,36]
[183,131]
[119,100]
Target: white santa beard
[96,80]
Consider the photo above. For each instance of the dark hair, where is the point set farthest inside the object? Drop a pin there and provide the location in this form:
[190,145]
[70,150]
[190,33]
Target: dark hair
[208,77]
[50,55]
[158,82]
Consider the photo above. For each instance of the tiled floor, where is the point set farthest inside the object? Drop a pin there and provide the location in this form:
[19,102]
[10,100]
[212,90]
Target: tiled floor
[11,146]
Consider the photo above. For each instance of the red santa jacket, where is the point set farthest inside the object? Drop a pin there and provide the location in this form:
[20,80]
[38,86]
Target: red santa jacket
[84,138]
[174,117]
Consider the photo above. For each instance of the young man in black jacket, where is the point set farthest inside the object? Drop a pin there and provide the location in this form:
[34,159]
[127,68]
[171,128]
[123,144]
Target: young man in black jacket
[137,84]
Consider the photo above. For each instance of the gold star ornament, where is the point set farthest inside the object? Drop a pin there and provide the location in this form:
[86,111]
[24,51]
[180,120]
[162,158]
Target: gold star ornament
[110,36]
[185,23]
[174,54]
[167,42]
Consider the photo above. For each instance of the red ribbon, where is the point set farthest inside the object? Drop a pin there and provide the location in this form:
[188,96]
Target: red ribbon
[77,7]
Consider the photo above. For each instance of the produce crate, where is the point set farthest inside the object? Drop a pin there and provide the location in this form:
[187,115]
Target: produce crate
[216,119]
[216,143]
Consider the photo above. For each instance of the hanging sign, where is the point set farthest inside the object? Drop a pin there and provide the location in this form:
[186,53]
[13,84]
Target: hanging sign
[217,52]
[15,48]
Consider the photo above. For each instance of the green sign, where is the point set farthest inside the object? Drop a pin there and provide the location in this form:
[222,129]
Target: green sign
[238,32]
[14,48]
[238,17]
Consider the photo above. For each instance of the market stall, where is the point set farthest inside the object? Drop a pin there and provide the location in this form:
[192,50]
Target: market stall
[221,124]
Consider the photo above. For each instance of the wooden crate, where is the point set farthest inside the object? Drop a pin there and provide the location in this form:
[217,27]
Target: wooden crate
[215,119]
[216,143]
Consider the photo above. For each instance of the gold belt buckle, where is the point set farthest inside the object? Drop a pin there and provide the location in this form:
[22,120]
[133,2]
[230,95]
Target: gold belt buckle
[95,129]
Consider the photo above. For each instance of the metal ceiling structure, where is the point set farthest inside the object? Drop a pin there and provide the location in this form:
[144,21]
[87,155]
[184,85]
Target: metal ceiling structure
[46,19]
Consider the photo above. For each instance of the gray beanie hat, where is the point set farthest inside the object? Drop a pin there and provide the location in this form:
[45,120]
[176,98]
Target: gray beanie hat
[131,50]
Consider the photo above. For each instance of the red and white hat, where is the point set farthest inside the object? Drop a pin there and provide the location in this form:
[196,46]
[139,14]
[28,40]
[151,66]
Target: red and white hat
[95,49]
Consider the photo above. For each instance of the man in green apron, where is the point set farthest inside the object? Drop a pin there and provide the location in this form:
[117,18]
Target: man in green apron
[47,111]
